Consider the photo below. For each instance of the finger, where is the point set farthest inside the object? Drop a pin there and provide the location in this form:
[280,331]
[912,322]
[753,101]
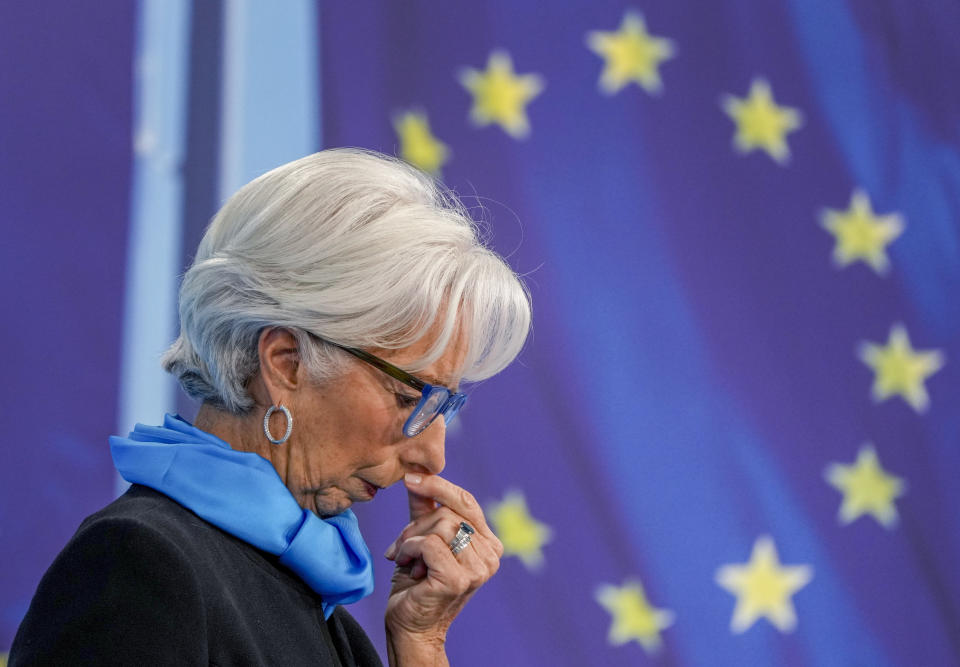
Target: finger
[442,566]
[438,490]
[442,521]
[476,563]
[418,570]
[474,560]
[419,504]
[478,557]
[488,556]
[481,555]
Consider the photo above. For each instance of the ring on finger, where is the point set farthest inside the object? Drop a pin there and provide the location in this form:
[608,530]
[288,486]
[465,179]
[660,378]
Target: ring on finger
[462,538]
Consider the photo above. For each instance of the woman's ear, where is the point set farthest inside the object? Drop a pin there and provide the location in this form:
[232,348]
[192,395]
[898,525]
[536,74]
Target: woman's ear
[279,361]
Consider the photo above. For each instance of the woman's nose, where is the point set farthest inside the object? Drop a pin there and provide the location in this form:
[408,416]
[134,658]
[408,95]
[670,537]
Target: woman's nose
[426,450]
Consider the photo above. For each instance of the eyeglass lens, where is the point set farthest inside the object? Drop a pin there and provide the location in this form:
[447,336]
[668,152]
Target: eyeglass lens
[427,410]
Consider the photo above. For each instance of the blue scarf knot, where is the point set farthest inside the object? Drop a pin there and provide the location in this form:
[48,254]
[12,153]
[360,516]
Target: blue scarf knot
[242,494]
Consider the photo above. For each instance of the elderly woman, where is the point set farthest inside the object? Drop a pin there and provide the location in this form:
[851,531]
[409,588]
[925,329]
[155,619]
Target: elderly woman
[333,308]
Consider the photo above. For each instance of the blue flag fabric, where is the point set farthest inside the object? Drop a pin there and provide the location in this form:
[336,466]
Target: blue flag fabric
[731,438]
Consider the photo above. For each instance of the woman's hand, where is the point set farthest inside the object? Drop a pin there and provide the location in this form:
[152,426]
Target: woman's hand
[430,583]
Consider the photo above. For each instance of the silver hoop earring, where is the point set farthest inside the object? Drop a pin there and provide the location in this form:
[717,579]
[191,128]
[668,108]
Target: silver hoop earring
[266,424]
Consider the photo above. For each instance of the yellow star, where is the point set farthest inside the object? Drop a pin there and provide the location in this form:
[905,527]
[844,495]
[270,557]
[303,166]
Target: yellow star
[418,146]
[500,96]
[761,123]
[899,370]
[634,618]
[631,54]
[764,588]
[521,534]
[866,488]
[860,234]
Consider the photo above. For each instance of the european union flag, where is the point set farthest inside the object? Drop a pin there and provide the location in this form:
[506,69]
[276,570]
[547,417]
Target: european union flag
[731,439]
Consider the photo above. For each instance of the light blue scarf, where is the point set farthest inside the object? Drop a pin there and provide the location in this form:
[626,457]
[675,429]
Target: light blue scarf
[241,493]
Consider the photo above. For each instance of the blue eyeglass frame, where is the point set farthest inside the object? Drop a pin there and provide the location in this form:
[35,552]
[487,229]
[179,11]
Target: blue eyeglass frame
[449,406]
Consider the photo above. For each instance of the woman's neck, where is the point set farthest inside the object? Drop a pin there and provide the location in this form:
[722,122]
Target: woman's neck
[242,432]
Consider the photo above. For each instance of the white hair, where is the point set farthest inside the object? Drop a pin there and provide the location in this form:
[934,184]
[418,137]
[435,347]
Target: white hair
[356,248]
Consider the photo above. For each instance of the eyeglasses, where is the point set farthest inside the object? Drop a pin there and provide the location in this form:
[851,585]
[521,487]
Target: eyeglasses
[435,400]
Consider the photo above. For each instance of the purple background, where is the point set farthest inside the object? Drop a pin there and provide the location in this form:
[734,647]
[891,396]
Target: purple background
[692,369]
[65,158]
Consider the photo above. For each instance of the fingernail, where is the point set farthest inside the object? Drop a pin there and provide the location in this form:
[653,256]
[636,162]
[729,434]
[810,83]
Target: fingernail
[412,478]
[391,551]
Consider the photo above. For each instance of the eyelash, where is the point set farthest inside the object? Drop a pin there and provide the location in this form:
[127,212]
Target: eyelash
[407,401]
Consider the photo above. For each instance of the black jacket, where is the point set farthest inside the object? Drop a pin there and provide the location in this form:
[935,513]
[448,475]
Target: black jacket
[145,581]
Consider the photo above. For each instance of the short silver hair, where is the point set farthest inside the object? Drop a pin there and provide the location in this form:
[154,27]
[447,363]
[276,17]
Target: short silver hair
[356,248]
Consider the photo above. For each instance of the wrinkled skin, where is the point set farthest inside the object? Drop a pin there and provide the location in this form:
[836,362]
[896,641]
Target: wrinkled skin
[347,442]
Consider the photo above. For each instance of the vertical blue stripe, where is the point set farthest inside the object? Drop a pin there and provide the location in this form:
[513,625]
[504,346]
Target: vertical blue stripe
[153,256]
[270,105]
[201,177]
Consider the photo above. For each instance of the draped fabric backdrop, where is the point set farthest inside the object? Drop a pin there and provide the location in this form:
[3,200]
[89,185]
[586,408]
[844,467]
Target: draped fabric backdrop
[732,438]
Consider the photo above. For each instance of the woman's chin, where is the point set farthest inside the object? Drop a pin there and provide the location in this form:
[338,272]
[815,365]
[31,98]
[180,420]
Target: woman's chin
[326,506]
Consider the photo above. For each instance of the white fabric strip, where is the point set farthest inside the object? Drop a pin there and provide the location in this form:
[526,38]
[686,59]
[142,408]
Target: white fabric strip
[153,254]
[270,79]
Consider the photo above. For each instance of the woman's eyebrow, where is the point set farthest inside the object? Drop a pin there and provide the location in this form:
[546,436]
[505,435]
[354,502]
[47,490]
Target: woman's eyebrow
[432,380]
[446,382]
[437,381]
